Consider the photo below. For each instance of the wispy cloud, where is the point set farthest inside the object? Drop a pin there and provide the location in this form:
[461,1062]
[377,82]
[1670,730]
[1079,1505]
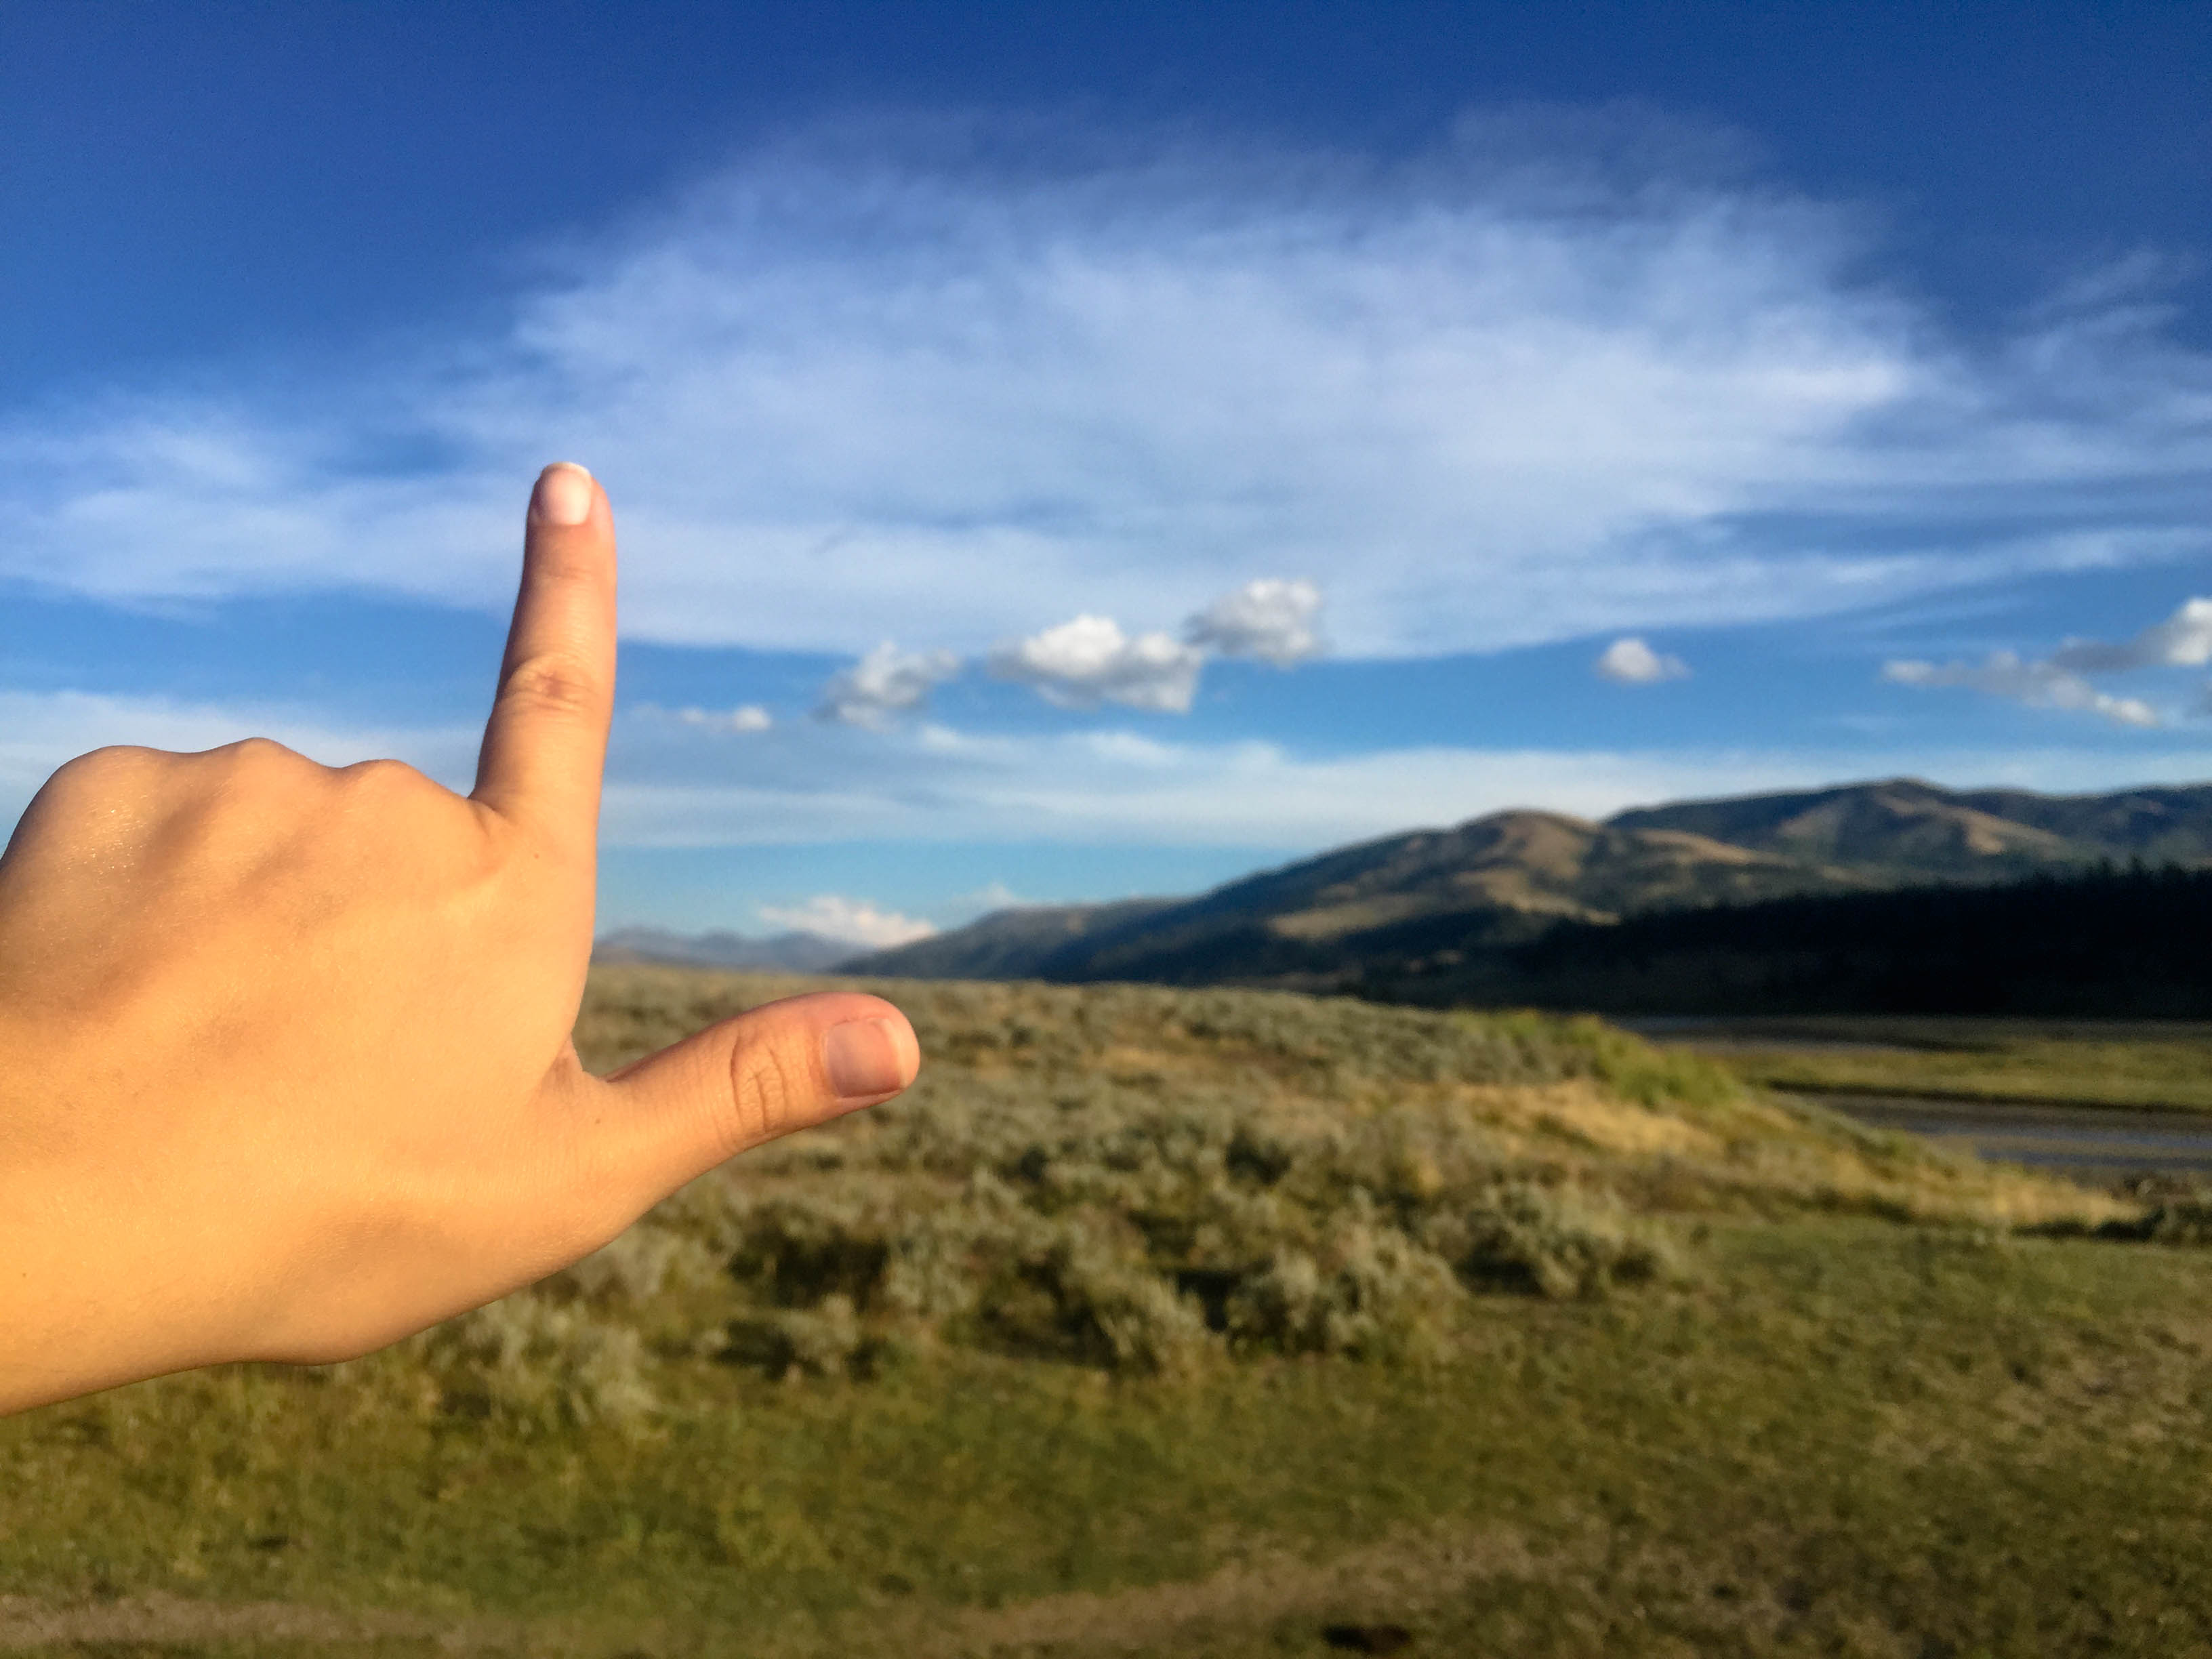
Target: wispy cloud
[932,783]
[746,717]
[941,383]
[1630,661]
[885,683]
[856,921]
[2038,684]
[2183,640]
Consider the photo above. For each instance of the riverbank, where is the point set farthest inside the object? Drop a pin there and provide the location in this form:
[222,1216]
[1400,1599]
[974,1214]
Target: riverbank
[2148,1065]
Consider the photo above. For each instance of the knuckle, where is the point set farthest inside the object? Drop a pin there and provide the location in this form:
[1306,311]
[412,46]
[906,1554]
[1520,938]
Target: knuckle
[382,779]
[105,781]
[385,792]
[254,763]
[552,684]
[768,1093]
[259,752]
[119,765]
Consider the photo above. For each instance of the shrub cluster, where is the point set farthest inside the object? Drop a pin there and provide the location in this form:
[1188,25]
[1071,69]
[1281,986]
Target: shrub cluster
[1104,1225]
[1142,1180]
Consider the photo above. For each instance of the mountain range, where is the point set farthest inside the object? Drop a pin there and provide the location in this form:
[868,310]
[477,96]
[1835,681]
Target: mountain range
[792,953]
[1439,913]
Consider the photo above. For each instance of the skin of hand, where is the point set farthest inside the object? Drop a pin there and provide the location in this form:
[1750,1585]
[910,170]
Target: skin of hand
[285,1068]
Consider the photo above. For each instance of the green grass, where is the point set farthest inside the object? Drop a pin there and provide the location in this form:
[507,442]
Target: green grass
[2072,1063]
[1851,1412]
[1854,1437]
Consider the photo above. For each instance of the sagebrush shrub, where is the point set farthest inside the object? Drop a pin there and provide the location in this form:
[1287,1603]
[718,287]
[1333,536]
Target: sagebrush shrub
[1132,1178]
[826,1339]
[1522,1236]
[537,1364]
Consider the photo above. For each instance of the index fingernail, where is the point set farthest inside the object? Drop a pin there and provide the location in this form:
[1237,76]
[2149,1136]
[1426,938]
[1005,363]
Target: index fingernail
[563,494]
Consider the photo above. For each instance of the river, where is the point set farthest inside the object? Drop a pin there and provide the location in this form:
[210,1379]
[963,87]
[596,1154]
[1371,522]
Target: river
[2104,1142]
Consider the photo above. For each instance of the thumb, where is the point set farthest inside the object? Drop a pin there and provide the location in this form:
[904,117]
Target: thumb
[783,1066]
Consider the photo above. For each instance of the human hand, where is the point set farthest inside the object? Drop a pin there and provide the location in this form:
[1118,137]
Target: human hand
[285,1070]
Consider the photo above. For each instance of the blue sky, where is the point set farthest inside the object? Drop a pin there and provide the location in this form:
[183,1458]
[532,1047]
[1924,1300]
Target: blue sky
[1065,451]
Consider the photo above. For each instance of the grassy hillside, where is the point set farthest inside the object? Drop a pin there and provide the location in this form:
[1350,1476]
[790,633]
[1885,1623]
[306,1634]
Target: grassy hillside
[1453,906]
[1902,823]
[1976,833]
[1326,920]
[1208,1322]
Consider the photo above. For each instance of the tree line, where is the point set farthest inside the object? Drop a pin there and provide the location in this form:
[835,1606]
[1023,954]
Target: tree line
[2118,941]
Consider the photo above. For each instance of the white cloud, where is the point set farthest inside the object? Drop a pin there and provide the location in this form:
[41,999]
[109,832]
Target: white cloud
[746,717]
[895,383]
[885,682]
[933,784]
[1070,790]
[1629,661]
[2038,685]
[855,921]
[2182,641]
[1082,663]
[1268,618]
[936,785]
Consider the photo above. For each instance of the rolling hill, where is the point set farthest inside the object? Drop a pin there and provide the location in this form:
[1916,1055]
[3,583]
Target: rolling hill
[1449,904]
[1925,832]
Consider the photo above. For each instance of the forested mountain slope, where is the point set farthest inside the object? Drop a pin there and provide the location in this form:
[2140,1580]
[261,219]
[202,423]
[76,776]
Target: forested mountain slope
[1432,902]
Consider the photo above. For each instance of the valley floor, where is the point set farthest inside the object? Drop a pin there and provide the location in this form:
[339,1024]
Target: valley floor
[2158,1066]
[1887,1414]
[1856,1437]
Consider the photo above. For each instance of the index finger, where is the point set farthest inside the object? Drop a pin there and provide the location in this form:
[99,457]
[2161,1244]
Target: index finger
[545,745]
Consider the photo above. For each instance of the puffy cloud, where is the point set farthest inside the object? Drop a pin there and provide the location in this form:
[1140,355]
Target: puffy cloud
[746,717]
[1630,661]
[2038,685]
[1083,663]
[885,682]
[855,921]
[931,382]
[2182,641]
[1269,619]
